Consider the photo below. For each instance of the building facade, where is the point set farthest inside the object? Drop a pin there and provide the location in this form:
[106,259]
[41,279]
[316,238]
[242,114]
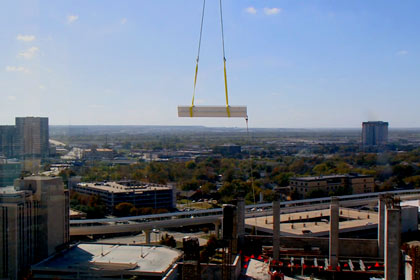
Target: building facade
[34,216]
[28,138]
[9,171]
[8,141]
[32,135]
[141,195]
[351,183]
[374,133]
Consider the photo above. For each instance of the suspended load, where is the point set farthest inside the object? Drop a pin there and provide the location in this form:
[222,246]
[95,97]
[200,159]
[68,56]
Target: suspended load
[212,111]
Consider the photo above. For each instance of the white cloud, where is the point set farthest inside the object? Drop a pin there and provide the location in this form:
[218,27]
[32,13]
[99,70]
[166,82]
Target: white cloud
[16,69]
[11,98]
[29,53]
[402,52]
[25,38]
[123,21]
[41,87]
[72,18]
[272,11]
[251,10]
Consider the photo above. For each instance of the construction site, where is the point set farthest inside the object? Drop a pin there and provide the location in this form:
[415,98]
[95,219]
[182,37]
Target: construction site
[310,249]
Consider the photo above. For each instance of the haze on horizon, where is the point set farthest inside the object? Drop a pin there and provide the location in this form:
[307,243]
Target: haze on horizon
[295,64]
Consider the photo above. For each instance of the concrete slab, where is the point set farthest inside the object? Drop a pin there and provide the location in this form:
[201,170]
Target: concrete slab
[138,258]
[258,270]
[212,111]
[357,220]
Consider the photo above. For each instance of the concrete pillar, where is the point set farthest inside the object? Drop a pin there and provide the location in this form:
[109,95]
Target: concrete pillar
[147,234]
[392,243]
[334,232]
[241,216]
[217,229]
[276,226]
[230,226]
[381,225]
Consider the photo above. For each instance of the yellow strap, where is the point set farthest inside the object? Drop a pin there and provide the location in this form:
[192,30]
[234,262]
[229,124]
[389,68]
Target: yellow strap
[195,82]
[226,89]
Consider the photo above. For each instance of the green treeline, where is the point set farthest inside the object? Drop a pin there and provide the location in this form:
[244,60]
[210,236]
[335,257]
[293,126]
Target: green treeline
[225,178]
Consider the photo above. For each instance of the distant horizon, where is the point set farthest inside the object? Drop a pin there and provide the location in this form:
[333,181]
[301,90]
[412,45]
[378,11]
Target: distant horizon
[221,127]
[210,126]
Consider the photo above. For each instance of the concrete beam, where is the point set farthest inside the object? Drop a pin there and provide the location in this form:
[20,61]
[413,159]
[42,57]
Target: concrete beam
[212,111]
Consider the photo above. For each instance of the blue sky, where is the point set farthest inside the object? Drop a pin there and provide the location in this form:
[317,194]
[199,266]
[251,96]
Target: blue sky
[308,63]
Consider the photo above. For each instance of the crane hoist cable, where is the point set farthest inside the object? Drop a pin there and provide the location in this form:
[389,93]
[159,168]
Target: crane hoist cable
[198,57]
[224,58]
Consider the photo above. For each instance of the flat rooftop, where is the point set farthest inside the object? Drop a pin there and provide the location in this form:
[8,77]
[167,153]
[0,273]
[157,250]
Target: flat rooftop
[116,187]
[8,190]
[316,178]
[140,259]
[353,220]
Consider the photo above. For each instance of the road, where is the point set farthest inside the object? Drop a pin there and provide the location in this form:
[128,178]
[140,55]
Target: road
[200,217]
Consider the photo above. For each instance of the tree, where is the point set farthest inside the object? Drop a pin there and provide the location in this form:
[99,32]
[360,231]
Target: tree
[168,240]
[190,185]
[317,193]
[413,180]
[207,188]
[283,179]
[190,165]
[123,209]
[402,171]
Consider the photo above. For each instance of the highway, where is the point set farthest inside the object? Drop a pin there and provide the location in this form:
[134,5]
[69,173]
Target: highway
[198,217]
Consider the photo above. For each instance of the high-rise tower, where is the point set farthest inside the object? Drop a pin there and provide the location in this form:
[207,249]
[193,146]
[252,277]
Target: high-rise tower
[374,133]
[32,136]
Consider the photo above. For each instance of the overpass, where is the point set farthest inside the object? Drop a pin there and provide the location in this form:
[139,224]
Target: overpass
[213,216]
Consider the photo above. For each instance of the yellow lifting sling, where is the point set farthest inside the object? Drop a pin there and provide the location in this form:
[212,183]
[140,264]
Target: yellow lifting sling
[212,111]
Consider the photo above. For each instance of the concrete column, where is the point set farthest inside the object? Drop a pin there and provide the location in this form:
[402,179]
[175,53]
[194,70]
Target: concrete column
[392,243]
[334,232]
[241,216]
[147,234]
[381,225]
[276,227]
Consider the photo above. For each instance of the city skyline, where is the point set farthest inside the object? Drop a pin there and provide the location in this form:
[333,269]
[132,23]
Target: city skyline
[295,64]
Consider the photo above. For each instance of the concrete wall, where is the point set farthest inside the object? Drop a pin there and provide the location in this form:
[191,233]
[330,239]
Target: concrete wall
[409,218]
[348,247]
[214,271]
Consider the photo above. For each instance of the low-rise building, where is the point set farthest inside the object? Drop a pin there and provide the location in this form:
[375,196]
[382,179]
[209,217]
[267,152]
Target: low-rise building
[351,183]
[227,150]
[98,154]
[139,194]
